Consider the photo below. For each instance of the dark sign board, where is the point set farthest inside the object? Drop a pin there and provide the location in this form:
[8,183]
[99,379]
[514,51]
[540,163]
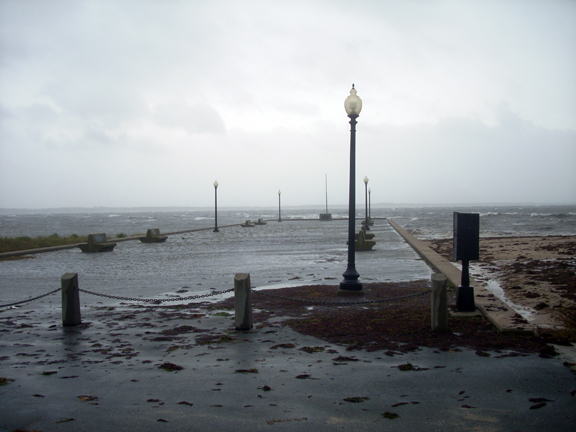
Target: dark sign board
[466,236]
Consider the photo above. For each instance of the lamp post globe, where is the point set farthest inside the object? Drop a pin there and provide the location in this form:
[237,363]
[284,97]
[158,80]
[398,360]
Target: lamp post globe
[279,207]
[366,224]
[353,104]
[216,207]
[350,284]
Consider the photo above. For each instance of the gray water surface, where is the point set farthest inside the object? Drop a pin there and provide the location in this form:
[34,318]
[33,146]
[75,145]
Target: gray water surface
[289,253]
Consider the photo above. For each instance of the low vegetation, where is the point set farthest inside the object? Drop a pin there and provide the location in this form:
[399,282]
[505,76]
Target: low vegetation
[12,244]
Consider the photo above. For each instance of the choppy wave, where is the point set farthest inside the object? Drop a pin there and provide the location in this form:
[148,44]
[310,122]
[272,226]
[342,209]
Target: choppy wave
[495,221]
[425,221]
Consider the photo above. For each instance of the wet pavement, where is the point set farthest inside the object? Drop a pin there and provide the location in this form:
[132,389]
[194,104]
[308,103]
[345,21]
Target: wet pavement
[106,375]
[183,367]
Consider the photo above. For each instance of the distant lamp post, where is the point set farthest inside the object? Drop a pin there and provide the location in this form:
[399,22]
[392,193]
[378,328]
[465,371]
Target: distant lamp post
[350,284]
[369,204]
[366,201]
[279,208]
[216,207]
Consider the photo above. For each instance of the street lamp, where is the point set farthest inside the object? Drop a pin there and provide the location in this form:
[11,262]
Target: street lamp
[369,204]
[366,201]
[279,211]
[216,207]
[350,284]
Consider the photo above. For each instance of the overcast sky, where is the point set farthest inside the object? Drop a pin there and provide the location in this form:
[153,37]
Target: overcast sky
[147,103]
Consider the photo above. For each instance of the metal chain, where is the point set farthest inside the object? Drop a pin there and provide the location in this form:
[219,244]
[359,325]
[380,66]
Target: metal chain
[215,293]
[158,300]
[341,303]
[32,299]
[124,298]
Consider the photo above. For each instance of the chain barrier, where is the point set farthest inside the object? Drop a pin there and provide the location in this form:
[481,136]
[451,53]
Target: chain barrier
[343,303]
[32,299]
[214,293]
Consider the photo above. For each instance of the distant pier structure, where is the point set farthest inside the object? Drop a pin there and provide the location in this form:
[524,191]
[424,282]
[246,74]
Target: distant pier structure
[326,216]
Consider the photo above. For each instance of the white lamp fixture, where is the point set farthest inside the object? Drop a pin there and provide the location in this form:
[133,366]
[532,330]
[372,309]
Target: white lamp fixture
[353,104]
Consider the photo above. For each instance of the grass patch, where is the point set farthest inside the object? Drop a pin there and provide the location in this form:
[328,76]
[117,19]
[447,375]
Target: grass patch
[13,244]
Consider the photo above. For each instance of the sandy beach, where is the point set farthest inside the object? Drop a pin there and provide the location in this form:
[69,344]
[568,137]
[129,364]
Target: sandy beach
[538,273]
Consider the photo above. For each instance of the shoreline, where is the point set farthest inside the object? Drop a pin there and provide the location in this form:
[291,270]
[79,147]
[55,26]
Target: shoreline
[534,272]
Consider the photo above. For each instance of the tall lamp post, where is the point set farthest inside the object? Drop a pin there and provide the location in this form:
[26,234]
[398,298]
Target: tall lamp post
[350,285]
[366,201]
[216,207]
[369,204]
[279,209]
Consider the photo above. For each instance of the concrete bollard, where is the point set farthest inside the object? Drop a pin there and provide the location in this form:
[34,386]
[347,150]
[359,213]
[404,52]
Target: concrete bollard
[439,303]
[70,299]
[243,301]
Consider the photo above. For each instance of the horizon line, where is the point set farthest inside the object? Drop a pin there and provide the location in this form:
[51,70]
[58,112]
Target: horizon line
[302,206]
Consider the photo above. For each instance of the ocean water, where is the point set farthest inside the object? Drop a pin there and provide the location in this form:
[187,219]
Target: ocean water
[300,250]
[425,222]
[495,221]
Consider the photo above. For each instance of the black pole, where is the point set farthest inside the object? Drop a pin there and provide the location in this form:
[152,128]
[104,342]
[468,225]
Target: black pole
[369,205]
[350,283]
[279,209]
[465,293]
[216,209]
[465,273]
[326,179]
[366,204]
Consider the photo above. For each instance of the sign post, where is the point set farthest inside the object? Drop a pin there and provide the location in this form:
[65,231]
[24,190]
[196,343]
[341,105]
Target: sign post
[466,248]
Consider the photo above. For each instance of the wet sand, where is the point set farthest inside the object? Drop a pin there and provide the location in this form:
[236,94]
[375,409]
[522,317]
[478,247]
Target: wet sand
[538,273]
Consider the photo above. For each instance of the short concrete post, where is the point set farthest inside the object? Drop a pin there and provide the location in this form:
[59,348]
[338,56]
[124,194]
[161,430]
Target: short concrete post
[439,303]
[70,299]
[243,301]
